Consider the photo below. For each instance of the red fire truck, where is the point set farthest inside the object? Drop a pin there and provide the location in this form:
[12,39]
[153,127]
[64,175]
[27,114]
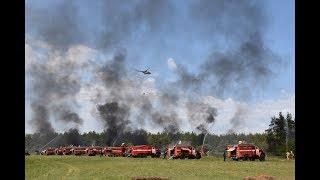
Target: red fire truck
[59,151]
[143,151]
[67,151]
[182,152]
[79,151]
[92,151]
[245,152]
[114,151]
[48,151]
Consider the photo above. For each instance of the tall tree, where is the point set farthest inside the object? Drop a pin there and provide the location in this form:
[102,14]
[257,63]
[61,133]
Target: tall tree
[280,133]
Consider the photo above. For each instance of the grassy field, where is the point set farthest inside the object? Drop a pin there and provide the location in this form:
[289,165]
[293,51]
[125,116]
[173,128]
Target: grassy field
[84,167]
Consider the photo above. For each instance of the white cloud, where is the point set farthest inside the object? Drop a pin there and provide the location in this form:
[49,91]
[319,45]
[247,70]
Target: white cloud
[80,54]
[256,117]
[30,56]
[171,64]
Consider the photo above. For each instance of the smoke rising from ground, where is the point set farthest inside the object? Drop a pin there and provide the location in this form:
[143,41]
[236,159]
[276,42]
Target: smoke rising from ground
[203,114]
[72,137]
[54,82]
[237,119]
[236,66]
[41,119]
[115,119]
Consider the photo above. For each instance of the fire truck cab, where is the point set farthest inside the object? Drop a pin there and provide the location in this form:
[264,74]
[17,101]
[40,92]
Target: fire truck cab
[48,151]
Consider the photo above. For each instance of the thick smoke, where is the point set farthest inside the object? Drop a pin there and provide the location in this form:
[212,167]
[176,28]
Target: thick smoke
[202,129]
[115,119]
[240,69]
[201,115]
[238,119]
[72,137]
[186,79]
[123,89]
[246,63]
[54,83]
[240,63]
[68,116]
[41,119]
[114,76]
[169,121]
[66,23]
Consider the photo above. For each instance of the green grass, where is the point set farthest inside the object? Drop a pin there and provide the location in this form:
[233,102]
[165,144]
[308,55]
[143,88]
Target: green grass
[84,167]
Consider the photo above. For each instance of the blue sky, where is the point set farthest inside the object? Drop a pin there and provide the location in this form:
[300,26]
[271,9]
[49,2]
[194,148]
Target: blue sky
[185,38]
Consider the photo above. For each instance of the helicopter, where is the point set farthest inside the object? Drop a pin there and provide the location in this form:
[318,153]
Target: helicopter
[145,71]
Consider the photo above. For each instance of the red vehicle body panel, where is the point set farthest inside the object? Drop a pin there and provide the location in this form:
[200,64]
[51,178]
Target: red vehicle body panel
[59,151]
[49,151]
[79,151]
[143,151]
[183,152]
[67,151]
[92,151]
[114,151]
[245,152]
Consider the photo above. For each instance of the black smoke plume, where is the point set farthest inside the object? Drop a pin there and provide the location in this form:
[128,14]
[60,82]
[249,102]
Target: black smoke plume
[240,65]
[237,119]
[41,119]
[201,115]
[55,85]
[115,119]
[72,137]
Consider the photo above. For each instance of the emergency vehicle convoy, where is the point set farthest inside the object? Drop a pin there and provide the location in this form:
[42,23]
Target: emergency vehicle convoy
[244,151]
[241,151]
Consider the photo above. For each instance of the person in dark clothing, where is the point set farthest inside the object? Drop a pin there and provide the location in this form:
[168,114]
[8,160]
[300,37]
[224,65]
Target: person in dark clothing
[224,156]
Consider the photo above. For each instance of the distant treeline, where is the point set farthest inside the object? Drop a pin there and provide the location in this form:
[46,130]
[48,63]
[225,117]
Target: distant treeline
[274,141]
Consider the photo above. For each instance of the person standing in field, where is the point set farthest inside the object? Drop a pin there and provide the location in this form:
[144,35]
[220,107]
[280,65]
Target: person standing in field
[287,154]
[291,155]
[224,156]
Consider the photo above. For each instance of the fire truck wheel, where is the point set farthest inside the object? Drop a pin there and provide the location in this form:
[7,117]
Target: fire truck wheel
[245,158]
[262,157]
[183,156]
[198,156]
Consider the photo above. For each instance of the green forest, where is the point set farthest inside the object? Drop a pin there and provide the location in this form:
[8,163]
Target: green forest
[276,140]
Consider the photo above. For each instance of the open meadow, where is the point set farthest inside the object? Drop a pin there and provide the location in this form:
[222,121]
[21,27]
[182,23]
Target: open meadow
[85,167]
